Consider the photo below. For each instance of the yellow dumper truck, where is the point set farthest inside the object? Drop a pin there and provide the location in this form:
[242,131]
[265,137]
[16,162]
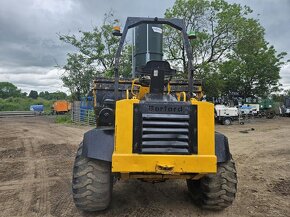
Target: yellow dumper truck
[150,133]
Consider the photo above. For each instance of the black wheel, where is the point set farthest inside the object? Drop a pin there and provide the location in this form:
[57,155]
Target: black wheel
[270,115]
[227,121]
[92,183]
[215,191]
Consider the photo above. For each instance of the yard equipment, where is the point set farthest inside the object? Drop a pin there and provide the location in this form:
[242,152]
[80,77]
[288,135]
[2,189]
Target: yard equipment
[150,133]
[61,107]
[267,108]
[226,115]
[286,106]
[246,110]
[255,108]
[260,107]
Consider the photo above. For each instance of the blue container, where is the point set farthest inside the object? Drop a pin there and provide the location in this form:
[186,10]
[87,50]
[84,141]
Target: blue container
[87,104]
[246,107]
[37,108]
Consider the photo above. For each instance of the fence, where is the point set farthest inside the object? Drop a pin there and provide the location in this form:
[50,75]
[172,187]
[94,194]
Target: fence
[82,116]
[17,113]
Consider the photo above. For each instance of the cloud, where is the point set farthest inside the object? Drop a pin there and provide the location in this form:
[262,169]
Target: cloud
[274,16]
[30,48]
[285,74]
[22,70]
[34,78]
[29,44]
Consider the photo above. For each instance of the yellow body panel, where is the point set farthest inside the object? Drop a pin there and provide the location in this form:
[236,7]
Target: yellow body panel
[124,161]
[142,163]
[205,126]
[124,126]
[142,92]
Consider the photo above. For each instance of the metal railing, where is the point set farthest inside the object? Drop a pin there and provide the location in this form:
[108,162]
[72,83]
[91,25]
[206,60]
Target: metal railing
[17,113]
[82,116]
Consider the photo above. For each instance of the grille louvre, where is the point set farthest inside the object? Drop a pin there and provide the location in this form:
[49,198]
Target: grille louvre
[164,130]
[171,133]
[164,136]
[164,151]
[165,123]
[160,133]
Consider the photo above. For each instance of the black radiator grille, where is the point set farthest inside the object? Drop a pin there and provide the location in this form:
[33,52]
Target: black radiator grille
[167,133]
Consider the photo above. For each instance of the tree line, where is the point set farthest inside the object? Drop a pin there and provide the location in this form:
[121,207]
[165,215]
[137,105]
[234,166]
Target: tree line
[231,55]
[8,90]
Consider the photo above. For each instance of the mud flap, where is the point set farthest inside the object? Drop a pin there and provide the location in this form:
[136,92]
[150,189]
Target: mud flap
[99,144]
[222,150]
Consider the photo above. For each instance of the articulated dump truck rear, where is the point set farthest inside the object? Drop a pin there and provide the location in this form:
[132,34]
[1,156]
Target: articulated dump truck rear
[153,128]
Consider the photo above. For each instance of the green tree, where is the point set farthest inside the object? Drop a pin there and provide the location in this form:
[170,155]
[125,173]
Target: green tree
[230,53]
[252,69]
[33,94]
[44,95]
[216,24]
[95,57]
[8,89]
[78,75]
[58,95]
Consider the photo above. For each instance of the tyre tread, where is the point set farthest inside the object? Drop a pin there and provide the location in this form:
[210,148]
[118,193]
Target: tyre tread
[215,192]
[92,183]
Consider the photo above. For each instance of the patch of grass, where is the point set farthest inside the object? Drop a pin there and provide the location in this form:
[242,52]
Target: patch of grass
[63,119]
[23,104]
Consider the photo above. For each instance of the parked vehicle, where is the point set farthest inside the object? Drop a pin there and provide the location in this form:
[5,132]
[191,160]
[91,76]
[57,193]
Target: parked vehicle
[286,106]
[255,109]
[246,110]
[37,109]
[153,135]
[226,115]
[267,108]
[61,107]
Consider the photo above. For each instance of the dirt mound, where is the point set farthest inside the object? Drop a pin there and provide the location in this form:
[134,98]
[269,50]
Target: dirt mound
[282,187]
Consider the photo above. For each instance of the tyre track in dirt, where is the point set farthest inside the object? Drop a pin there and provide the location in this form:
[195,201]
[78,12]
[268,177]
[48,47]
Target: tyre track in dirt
[26,194]
[39,141]
[43,187]
[46,151]
[36,172]
[18,184]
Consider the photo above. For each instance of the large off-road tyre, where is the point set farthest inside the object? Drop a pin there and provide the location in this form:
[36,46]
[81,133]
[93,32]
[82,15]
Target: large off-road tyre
[92,183]
[215,191]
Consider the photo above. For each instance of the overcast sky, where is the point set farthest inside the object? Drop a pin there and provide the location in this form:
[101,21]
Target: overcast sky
[30,48]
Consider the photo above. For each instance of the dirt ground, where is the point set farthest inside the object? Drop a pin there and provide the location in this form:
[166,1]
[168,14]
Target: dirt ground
[36,157]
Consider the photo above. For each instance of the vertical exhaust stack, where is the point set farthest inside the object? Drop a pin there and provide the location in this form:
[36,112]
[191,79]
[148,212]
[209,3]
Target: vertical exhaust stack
[147,44]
